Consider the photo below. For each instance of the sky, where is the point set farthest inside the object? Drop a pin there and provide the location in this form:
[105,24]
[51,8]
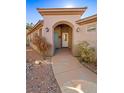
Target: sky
[32,15]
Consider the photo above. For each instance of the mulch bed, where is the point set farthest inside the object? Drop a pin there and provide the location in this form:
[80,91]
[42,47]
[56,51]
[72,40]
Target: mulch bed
[39,78]
[90,67]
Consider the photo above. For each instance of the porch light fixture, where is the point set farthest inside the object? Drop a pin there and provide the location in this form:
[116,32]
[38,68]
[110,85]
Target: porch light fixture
[78,29]
[47,29]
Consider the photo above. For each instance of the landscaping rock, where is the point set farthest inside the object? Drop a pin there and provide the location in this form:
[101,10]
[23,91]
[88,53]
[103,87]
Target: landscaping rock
[40,77]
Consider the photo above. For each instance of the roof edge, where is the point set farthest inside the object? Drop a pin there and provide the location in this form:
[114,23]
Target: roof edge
[87,18]
[62,8]
[38,23]
[62,11]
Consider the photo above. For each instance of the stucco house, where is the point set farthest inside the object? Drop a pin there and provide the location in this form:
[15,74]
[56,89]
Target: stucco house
[63,27]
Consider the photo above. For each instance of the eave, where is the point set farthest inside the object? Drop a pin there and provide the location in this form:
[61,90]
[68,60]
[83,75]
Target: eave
[38,25]
[61,11]
[87,20]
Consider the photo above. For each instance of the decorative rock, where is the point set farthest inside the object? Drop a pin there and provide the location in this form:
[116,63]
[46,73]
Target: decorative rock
[40,78]
[37,62]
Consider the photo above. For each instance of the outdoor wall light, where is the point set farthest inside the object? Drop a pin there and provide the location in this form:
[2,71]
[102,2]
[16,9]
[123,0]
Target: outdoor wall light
[47,29]
[78,29]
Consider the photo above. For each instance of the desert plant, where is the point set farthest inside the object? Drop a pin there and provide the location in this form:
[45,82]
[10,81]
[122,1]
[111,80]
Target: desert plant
[82,47]
[87,53]
[41,44]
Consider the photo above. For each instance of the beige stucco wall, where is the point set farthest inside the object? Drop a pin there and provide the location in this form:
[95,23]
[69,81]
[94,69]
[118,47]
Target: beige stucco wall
[52,21]
[84,35]
[88,36]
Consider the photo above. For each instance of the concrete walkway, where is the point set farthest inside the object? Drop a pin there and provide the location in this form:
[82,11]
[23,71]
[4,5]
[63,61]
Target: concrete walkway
[67,68]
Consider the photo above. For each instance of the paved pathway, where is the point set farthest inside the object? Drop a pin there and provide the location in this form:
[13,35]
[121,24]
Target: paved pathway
[67,68]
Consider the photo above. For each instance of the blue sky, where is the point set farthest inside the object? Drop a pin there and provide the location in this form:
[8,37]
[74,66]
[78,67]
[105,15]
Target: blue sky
[32,15]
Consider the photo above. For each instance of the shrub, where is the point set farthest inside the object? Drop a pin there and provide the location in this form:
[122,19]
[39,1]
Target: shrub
[87,53]
[41,45]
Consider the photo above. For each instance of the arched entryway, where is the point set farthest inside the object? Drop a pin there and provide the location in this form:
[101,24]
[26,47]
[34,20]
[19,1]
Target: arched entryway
[63,36]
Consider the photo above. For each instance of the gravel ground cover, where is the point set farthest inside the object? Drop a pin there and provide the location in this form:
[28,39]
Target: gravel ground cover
[39,78]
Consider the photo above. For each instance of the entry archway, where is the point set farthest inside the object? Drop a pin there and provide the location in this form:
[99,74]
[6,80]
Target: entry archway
[63,36]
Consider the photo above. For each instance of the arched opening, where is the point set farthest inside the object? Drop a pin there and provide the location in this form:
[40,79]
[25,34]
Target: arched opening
[63,36]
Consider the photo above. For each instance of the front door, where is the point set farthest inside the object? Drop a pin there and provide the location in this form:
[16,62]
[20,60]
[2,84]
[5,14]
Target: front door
[56,40]
[64,39]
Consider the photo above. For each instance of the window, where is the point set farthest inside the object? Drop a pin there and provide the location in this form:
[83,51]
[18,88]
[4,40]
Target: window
[91,28]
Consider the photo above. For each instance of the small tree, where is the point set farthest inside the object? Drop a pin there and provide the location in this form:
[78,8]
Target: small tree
[41,45]
[29,26]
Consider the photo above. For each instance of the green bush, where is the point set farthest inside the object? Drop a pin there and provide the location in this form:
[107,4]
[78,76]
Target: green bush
[87,53]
